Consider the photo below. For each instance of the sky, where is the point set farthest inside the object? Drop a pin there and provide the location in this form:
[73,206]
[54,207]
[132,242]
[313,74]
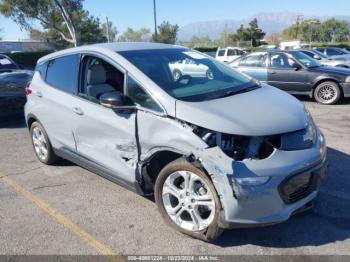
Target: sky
[139,13]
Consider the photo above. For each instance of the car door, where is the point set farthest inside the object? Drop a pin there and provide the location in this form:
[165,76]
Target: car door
[283,74]
[55,92]
[104,136]
[254,65]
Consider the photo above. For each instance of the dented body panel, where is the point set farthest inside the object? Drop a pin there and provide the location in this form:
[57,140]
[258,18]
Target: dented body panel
[234,140]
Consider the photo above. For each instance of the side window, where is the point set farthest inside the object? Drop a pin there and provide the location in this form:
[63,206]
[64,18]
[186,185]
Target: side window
[332,52]
[322,50]
[221,53]
[62,73]
[139,96]
[281,61]
[256,60]
[99,77]
[231,52]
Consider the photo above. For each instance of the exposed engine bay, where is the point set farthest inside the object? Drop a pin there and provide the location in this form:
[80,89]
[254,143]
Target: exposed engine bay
[240,147]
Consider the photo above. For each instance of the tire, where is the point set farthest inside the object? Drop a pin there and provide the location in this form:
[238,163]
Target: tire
[327,93]
[209,74]
[41,144]
[187,207]
[177,75]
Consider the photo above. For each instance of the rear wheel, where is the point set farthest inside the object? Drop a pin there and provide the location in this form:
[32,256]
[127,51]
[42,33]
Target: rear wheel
[188,200]
[210,74]
[41,144]
[327,93]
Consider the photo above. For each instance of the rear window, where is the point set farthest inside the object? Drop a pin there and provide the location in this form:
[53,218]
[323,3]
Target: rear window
[62,73]
[7,64]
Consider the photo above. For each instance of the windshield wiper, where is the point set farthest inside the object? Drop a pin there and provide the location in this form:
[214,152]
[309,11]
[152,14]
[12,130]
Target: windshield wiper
[235,92]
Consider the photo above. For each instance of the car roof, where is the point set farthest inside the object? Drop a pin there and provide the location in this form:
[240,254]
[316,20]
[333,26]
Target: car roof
[114,47]
[129,46]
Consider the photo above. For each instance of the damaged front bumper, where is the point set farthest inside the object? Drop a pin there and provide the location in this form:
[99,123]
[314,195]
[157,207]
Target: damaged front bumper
[294,180]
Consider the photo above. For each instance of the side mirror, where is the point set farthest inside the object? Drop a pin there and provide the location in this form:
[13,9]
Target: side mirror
[116,101]
[317,57]
[296,66]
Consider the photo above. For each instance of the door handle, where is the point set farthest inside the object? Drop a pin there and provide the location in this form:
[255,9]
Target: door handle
[38,94]
[78,111]
[273,72]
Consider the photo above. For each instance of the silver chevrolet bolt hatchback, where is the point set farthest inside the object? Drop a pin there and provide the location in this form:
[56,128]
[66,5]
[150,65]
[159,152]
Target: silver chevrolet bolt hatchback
[217,149]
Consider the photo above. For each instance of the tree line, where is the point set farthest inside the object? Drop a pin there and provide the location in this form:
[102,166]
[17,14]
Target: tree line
[65,23]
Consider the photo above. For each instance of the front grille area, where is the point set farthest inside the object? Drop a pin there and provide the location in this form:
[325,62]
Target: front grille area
[297,187]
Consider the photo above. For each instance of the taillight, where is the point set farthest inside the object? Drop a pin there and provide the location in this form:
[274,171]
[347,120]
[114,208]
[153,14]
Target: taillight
[28,91]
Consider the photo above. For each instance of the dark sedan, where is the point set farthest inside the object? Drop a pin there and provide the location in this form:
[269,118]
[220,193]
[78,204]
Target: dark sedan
[297,73]
[13,81]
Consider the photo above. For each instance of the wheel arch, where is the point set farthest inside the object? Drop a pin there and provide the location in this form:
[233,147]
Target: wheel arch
[343,66]
[154,163]
[156,160]
[30,120]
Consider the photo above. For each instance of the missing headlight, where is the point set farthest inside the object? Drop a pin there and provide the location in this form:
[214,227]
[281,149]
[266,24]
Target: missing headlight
[240,147]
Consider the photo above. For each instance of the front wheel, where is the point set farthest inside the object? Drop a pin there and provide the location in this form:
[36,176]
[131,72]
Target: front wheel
[188,201]
[327,93]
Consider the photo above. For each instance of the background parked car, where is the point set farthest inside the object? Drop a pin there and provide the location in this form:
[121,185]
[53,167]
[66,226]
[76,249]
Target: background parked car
[335,53]
[191,68]
[297,73]
[324,60]
[13,81]
[228,54]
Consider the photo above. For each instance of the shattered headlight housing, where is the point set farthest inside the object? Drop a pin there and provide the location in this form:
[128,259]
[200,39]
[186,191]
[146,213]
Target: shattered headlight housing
[301,139]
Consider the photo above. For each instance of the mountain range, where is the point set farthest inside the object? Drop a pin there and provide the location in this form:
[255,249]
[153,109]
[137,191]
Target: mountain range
[269,22]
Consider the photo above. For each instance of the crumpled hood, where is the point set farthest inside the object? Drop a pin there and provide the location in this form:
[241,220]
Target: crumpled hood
[264,111]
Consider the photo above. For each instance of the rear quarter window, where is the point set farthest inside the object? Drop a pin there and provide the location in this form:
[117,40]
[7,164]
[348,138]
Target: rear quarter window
[41,69]
[62,73]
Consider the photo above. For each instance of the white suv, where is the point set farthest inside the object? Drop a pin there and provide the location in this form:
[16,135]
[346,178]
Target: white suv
[228,54]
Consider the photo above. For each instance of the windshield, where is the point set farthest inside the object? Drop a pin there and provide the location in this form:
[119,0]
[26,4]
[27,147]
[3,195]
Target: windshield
[6,64]
[305,59]
[188,75]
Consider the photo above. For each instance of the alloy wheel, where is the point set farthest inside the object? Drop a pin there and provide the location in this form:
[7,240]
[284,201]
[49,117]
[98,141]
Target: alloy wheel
[188,200]
[40,143]
[327,93]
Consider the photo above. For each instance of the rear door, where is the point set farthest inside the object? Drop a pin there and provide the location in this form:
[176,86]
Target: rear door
[283,75]
[55,95]
[254,65]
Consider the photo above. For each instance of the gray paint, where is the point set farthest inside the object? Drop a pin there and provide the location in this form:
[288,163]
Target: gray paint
[124,142]
[264,111]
